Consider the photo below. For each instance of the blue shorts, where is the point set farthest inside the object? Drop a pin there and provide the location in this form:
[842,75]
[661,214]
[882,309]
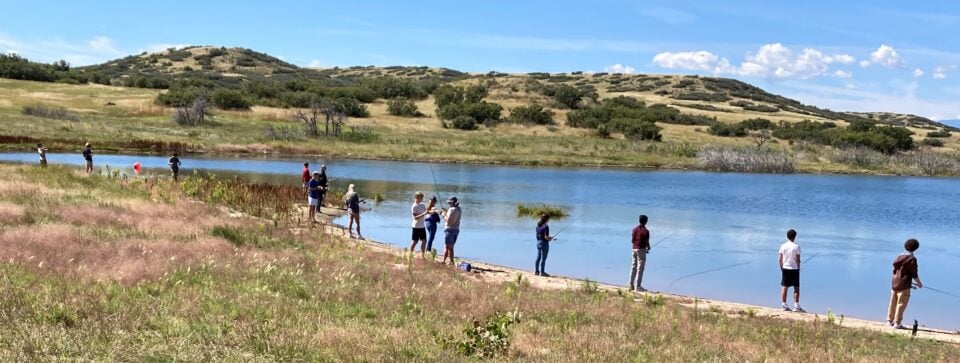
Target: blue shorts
[450,236]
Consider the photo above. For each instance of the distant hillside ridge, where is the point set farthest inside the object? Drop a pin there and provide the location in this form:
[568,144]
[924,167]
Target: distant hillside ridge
[265,77]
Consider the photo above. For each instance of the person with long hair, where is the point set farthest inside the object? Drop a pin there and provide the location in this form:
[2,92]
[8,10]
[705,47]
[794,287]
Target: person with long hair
[352,202]
[431,222]
[543,245]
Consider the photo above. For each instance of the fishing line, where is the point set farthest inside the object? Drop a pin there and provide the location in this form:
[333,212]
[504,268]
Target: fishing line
[663,239]
[811,257]
[938,290]
[436,188]
[707,271]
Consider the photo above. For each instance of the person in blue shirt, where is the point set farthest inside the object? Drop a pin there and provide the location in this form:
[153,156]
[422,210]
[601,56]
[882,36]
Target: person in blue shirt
[314,199]
[431,222]
[543,245]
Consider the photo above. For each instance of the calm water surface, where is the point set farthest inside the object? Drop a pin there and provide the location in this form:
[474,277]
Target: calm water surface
[855,225]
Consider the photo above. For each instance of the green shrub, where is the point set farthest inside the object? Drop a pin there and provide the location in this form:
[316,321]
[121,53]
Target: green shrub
[228,99]
[757,124]
[703,96]
[761,108]
[727,130]
[462,122]
[487,339]
[402,107]
[634,129]
[351,107]
[568,96]
[941,133]
[932,142]
[741,103]
[538,210]
[531,114]
[50,112]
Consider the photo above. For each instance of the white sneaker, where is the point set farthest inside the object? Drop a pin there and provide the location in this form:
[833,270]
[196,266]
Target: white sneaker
[785,308]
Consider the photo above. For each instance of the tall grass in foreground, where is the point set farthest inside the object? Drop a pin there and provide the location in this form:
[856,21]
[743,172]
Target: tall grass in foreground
[126,270]
[745,160]
[921,162]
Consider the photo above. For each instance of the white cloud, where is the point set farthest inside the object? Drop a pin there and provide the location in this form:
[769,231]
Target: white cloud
[903,100]
[851,86]
[918,73]
[315,64]
[159,47]
[886,56]
[770,61]
[619,68]
[700,61]
[864,64]
[95,50]
[844,59]
[941,71]
[842,74]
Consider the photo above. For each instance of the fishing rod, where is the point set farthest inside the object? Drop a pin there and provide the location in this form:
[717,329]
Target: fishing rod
[663,239]
[811,257]
[937,290]
[707,271]
[436,188]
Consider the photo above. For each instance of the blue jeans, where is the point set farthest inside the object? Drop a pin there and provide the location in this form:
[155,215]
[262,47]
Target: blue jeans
[431,233]
[450,236]
[543,247]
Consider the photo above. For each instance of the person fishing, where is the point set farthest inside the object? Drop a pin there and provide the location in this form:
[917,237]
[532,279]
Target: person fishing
[305,178]
[352,202]
[419,211]
[431,222]
[323,186]
[904,273]
[789,260]
[42,150]
[640,240]
[174,163]
[451,230]
[313,198]
[88,157]
[543,245]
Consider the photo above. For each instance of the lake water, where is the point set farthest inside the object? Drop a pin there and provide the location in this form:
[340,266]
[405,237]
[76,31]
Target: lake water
[855,225]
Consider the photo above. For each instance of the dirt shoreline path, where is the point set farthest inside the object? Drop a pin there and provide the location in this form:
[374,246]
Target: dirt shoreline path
[499,274]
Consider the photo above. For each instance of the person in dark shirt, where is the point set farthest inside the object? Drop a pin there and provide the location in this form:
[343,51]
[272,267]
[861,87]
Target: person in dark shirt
[641,246]
[313,189]
[431,222]
[323,186]
[88,157]
[351,201]
[904,274]
[543,245]
[174,166]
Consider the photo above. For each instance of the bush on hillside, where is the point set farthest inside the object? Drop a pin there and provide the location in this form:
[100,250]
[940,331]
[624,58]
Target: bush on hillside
[727,130]
[941,133]
[402,107]
[757,124]
[761,108]
[568,96]
[634,129]
[230,99]
[932,142]
[462,122]
[531,114]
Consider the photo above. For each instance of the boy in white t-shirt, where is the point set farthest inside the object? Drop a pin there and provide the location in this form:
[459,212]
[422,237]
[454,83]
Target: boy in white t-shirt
[790,271]
[418,211]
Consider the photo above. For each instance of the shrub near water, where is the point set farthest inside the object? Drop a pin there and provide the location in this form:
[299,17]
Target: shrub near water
[538,210]
[51,112]
[745,160]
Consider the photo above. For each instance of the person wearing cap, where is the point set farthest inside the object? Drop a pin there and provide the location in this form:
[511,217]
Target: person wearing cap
[452,228]
[352,202]
[313,187]
[431,222]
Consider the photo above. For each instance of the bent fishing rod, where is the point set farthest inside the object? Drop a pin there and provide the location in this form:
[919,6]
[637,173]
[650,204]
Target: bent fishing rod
[436,188]
[937,290]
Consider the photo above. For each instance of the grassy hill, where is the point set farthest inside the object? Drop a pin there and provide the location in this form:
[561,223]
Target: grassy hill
[664,121]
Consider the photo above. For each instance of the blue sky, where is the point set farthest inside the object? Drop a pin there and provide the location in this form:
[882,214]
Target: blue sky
[893,56]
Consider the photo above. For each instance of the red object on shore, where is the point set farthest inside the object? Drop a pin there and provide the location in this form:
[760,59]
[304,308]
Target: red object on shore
[136,167]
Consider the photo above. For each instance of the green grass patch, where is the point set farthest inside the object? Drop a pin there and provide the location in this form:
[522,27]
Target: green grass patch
[537,210]
[246,238]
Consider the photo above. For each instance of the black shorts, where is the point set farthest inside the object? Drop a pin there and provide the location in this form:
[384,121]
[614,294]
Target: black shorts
[789,278]
[419,234]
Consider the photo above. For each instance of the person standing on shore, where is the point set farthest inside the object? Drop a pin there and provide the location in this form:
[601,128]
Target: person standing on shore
[640,239]
[305,178]
[904,273]
[323,186]
[790,271]
[174,163]
[42,150]
[88,157]
[352,202]
[431,222]
[313,198]
[543,246]
[419,211]
[451,230]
